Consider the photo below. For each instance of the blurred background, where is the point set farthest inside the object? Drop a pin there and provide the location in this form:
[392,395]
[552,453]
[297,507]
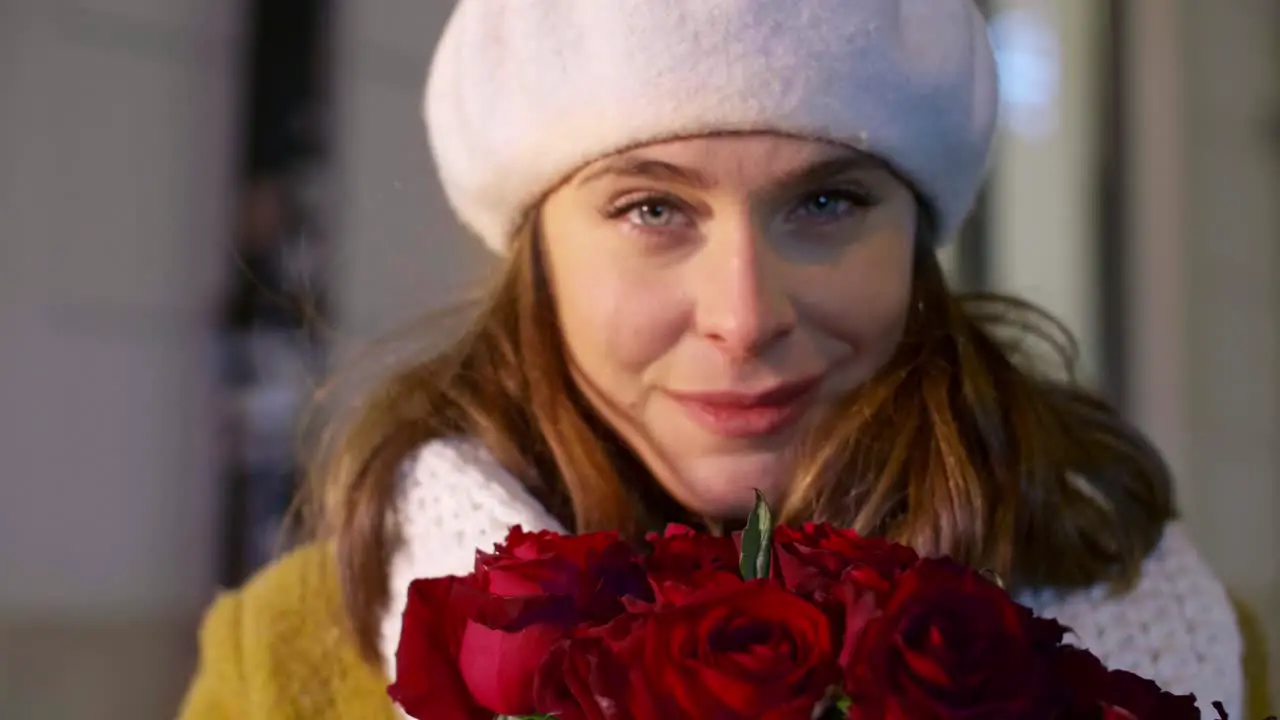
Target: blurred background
[204,206]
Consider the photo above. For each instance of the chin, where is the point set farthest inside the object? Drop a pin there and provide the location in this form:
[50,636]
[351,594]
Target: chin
[724,486]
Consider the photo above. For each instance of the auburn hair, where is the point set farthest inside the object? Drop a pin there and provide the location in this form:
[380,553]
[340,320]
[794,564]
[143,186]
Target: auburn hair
[974,440]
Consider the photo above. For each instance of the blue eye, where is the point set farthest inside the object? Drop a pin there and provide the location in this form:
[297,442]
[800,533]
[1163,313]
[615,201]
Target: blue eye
[651,214]
[832,205]
[826,205]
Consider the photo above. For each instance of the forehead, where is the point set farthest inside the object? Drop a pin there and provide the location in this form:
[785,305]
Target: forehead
[746,159]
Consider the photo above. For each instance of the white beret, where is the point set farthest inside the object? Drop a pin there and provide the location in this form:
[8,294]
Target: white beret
[523,93]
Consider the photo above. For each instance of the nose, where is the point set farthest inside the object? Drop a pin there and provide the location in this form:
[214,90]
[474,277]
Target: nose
[743,302]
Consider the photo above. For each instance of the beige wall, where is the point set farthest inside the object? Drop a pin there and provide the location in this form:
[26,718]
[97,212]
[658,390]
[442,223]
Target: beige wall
[1044,197]
[1205,305]
[1232,488]
[402,251]
[115,160]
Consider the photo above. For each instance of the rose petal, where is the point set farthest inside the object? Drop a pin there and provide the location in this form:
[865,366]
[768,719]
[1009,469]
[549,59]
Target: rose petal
[950,644]
[747,650]
[512,614]
[533,576]
[499,667]
[427,681]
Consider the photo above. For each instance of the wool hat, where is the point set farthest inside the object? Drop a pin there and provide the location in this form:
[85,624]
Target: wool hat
[523,93]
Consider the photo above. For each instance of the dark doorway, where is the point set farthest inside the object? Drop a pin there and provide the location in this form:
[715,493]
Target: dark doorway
[275,302]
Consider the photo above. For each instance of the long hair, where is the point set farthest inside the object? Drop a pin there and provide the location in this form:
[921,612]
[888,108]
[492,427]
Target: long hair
[975,440]
[959,445]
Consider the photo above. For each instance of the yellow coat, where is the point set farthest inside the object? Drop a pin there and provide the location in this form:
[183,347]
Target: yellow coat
[274,650]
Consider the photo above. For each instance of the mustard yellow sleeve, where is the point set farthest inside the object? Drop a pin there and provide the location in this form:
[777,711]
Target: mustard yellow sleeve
[1258,696]
[275,649]
[217,691]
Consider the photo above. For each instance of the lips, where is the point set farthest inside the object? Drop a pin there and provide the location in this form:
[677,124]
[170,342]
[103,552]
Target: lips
[753,414]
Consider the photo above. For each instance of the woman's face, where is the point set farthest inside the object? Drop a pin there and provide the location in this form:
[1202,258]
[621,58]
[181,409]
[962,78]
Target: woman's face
[715,294]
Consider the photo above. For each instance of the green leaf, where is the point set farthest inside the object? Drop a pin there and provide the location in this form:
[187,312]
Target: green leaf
[834,707]
[757,541]
[834,712]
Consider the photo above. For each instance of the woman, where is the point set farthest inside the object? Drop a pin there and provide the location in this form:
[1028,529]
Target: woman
[719,222]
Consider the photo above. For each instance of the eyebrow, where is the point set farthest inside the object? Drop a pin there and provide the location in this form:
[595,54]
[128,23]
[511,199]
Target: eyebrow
[632,166]
[830,168]
[646,168]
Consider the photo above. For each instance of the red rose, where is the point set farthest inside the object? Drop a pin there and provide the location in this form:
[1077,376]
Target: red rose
[474,644]
[681,553]
[841,572]
[1122,694]
[427,677]
[682,561]
[597,570]
[849,607]
[751,650]
[950,644]
[581,680]
[587,678]
[812,557]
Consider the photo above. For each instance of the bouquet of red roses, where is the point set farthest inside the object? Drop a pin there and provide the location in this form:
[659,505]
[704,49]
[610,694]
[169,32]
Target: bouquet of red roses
[780,624]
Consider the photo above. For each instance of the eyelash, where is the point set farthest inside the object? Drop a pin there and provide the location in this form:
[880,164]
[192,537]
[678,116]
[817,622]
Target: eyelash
[857,198]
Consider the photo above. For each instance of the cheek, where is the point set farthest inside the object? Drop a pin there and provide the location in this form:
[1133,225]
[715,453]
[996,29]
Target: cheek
[862,302]
[616,324]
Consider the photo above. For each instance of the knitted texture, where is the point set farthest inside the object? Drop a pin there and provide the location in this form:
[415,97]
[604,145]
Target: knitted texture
[522,94]
[1176,626]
